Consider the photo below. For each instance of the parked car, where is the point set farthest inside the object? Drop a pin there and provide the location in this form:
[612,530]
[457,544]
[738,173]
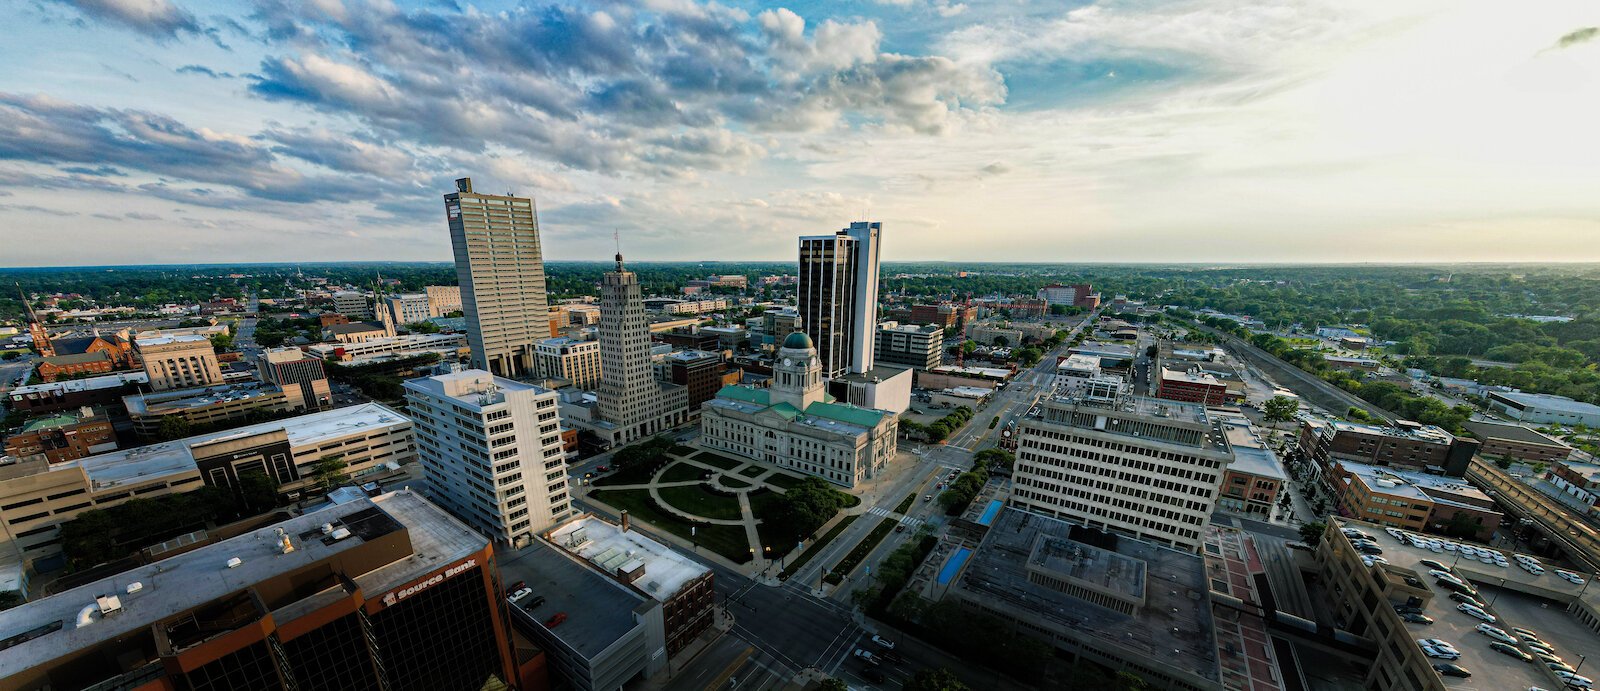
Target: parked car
[1440,653]
[1408,609]
[1468,599]
[1476,613]
[1450,670]
[1574,680]
[1511,650]
[1436,566]
[884,642]
[1416,617]
[1496,633]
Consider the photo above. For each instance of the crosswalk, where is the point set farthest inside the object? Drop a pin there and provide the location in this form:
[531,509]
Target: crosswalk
[907,521]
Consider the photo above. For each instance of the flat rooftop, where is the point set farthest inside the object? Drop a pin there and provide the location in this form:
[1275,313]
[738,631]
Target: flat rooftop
[187,580]
[1517,433]
[144,463]
[1172,626]
[108,381]
[1490,670]
[1195,377]
[188,399]
[165,339]
[1250,454]
[599,610]
[52,421]
[982,372]
[1548,402]
[474,388]
[608,548]
[1413,484]
[1432,434]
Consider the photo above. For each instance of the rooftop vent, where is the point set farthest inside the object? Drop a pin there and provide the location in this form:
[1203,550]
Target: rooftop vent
[235,562]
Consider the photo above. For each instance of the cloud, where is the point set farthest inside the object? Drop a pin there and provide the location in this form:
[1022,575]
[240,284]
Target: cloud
[1583,35]
[98,171]
[160,19]
[203,70]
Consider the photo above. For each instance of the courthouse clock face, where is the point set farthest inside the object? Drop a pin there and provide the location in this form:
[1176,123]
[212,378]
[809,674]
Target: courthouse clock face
[787,362]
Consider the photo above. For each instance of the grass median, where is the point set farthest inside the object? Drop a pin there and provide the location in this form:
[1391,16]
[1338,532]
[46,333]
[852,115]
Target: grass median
[821,544]
[861,550]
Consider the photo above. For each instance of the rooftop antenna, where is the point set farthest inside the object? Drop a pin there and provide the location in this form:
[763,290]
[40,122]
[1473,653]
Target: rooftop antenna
[616,236]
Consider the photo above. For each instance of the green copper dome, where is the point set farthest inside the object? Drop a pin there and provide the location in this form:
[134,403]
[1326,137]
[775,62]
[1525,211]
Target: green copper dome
[798,341]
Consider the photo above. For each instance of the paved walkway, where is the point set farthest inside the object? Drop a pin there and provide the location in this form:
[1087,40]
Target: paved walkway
[747,517]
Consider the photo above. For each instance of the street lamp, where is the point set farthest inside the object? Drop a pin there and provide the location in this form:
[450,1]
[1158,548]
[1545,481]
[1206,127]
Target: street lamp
[1581,659]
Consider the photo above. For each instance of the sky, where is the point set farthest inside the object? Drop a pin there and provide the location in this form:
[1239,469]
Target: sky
[177,131]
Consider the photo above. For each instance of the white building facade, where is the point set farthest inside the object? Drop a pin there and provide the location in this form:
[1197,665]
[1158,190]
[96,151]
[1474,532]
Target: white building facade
[1142,467]
[491,449]
[796,425]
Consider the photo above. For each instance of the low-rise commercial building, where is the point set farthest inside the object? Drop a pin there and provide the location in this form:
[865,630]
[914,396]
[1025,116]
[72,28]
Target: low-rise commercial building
[952,376]
[920,347]
[208,406]
[352,304]
[1253,481]
[104,391]
[449,346]
[1405,445]
[883,387]
[1413,501]
[57,367]
[1192,385]
[388,592]
[298,375]
[1516,442]
[355,332]
[993,334]
[62,437]
[1362,364]
[178,361]
[1544,408]
[407,309]
[37,497]
[1578,479]
[568,358]
[1099,598]
[701,372]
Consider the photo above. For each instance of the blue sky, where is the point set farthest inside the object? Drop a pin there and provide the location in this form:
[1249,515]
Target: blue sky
[137,131]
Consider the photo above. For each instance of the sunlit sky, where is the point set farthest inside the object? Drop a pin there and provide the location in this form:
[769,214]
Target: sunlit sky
[169,131]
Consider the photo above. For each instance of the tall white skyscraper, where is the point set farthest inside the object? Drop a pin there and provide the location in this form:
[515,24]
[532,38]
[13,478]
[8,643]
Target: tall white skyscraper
[839,296]
[501,271]
[490,448]
[631,399]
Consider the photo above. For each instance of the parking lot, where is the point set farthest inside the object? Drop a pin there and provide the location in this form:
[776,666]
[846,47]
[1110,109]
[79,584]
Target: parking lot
[1574,642]
[1490,669]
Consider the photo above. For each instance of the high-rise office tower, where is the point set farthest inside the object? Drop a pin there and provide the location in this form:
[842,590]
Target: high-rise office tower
[299,374]
[501,271]
[630,396]
[491,449]
[839,296]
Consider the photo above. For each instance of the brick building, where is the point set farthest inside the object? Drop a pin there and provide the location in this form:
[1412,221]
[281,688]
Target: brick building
[1516,442]
[61,367]
[63,437]
[1193,386]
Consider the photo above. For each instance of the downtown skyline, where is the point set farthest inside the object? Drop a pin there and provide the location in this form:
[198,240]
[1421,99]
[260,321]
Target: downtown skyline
[1205,131]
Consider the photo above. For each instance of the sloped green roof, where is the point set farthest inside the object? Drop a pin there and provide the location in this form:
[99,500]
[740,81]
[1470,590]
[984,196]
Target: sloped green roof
[788,412]
[845,413]
[746,394]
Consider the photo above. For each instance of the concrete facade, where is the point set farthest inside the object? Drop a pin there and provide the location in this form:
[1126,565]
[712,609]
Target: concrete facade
[500,268]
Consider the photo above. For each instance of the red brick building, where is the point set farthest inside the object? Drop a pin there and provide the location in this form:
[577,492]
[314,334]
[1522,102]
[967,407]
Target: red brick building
[73,366]
[63,437]
[1191,386]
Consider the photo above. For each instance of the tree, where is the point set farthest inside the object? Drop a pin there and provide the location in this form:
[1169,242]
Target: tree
[1000,341]
[1311,533]
[1280,408]
[423,327]
[934,680]
[831,684]
[1151,351]
[968,346]
[222,342]
[10,355]
[329,472]
[173,427]
[258,492]
[993,457]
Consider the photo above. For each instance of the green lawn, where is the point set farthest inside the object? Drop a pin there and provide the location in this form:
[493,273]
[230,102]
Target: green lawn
[637,474]
[733,482]
[783,480]
[860,551]
[679,472]
[817,547]
[905,504]
[717,460]
[726,540]
[696,499]
[752,470]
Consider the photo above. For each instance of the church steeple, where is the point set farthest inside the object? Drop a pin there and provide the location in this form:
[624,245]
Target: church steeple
[41,338]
